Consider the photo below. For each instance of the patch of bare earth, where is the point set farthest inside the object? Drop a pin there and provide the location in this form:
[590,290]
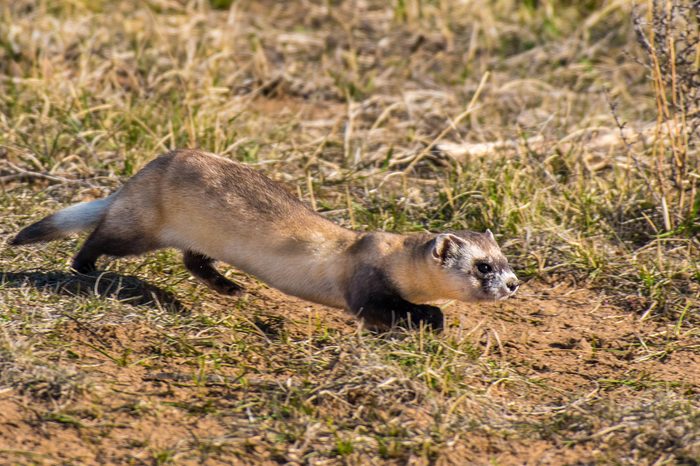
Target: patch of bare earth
[542,360]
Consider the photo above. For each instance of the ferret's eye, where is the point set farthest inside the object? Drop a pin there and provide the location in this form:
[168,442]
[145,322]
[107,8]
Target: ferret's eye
[483,267]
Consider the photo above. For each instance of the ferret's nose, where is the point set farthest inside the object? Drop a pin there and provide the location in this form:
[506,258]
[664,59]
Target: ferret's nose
[513,285]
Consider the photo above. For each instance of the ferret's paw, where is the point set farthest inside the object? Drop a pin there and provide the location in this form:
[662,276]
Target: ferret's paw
[226,287]
[431,316]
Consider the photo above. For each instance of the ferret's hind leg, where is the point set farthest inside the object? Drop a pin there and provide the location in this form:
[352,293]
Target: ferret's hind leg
[201,267]
[102,242]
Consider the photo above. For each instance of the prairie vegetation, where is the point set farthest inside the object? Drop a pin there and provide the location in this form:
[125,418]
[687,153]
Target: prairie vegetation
[570,129]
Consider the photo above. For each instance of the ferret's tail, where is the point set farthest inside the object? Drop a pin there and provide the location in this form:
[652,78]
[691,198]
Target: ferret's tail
[78,217]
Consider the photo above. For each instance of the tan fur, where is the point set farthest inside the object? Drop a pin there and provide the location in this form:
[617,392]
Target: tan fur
[188,200]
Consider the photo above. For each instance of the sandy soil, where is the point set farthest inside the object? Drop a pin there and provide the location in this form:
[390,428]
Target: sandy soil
[564,339]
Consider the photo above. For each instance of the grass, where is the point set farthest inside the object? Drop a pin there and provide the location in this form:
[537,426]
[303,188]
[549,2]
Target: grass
[570,129]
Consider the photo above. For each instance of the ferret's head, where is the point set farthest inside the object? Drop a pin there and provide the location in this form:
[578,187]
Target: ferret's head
[469,266]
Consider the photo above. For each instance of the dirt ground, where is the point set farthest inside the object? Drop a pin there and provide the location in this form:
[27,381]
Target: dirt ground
[558,348]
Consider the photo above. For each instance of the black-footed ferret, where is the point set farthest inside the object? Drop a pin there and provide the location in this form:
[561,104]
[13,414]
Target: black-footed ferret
[213,208]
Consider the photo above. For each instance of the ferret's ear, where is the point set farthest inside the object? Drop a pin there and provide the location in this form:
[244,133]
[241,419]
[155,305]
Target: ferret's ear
[489,234]
[445,246]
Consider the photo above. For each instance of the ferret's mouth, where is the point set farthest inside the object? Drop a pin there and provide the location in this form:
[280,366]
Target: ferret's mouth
[499,294]
[509,293]
[499,289]
[493,293]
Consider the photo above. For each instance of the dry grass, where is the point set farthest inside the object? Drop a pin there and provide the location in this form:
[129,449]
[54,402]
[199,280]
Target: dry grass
[569,128]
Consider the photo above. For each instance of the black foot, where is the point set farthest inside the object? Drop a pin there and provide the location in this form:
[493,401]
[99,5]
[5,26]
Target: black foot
[83,267]
[430,316]
[410,317]
[226,287]
[202,267]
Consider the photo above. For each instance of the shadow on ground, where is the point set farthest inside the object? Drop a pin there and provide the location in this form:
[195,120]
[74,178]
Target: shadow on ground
[125,288]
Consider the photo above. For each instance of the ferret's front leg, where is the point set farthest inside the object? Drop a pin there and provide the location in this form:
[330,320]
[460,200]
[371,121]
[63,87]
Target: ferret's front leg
[389,311]
[372,298]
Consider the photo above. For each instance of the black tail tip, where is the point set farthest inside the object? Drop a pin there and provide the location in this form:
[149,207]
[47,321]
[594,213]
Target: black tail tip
[20,239]
[35,233]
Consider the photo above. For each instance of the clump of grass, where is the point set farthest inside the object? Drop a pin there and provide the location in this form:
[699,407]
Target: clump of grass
[669,34]
[36,378]
[667,165]
[664,428]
